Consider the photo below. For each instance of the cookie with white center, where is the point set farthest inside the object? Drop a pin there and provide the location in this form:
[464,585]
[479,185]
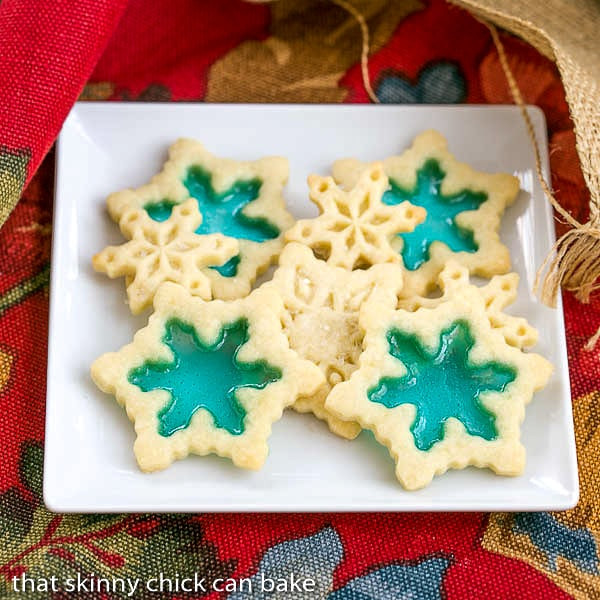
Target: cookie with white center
[322,304]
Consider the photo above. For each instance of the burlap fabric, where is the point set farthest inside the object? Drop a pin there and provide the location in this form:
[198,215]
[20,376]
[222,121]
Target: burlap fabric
[228,50]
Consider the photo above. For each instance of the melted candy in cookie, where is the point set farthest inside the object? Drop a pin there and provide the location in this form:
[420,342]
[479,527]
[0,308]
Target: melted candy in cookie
[203,376]
[207,377]
[242,200]
[442,384]
[221,213]
[440,222]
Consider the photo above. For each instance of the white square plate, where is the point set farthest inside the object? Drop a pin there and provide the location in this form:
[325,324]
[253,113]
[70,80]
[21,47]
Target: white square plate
[89,465]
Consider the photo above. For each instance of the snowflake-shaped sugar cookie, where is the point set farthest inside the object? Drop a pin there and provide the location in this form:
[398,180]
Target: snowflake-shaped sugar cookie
[354,229]
[497,294]
[321,318]
[464,208]
[445,384]
[164,251]
[206,377]
[240,199]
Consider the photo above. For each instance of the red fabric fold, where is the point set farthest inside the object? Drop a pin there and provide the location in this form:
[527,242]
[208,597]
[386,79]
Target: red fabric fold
[48,50]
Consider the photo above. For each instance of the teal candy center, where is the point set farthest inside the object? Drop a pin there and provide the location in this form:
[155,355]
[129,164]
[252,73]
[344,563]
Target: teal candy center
[442,384]
[230,268]
[221,213]
[160,211]
[440,222]
[203,376]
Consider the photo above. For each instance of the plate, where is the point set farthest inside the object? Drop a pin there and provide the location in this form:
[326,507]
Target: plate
[89,462]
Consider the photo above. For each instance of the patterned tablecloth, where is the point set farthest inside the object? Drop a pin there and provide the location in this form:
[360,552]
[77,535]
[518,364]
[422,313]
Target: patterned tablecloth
[290,51]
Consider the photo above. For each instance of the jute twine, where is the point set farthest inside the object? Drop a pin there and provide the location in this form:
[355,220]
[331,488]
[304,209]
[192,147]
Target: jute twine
[566,32]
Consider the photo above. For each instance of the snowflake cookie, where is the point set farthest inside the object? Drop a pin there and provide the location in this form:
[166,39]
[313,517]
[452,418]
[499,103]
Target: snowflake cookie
[206,377]
[445,386]
[321,318]
[354,229]
[164,251]
[463,206]
[241,200]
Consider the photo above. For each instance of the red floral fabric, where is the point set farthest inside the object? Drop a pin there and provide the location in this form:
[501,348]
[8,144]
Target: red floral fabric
[229,50]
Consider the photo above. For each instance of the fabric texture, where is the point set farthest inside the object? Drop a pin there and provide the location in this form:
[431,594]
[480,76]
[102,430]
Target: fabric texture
[48,50]
[293,50]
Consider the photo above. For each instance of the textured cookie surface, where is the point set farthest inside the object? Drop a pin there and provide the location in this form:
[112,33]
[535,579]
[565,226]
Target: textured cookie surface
[444,384]
[354,229]
[322,304]
[206,377]
[239,199]
[164,251]
[464,209]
